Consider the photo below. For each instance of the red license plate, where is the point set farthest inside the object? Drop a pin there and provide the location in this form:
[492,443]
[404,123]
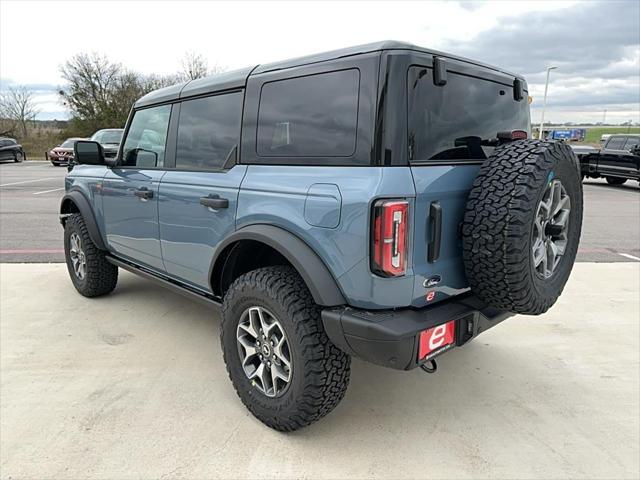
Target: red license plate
[436,340]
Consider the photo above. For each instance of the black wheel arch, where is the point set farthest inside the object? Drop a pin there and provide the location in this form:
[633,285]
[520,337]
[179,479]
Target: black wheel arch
[76,202]
[314,272]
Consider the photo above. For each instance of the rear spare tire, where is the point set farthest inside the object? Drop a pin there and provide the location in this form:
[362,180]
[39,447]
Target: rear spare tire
[522,225]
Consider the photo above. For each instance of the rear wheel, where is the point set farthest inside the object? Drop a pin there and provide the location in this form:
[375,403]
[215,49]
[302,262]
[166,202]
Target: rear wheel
[522,225]
[89,269]
[278,356]
[615,180]
[19,156]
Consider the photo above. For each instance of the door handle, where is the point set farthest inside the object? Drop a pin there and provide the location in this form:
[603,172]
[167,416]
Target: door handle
[214,201]
[144,193]
[435,218]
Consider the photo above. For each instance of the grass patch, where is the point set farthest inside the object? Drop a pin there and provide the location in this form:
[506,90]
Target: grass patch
[594,134]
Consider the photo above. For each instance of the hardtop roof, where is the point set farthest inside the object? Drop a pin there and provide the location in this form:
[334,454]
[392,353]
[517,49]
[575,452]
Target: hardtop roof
[238,78]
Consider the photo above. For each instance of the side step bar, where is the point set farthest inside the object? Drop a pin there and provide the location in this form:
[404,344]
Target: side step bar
[193,294]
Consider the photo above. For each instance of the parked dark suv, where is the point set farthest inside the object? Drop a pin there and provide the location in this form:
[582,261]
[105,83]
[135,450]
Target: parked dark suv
[381,201]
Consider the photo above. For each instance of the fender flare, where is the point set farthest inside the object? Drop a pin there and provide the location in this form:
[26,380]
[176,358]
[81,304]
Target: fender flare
[84,207]
[314,272]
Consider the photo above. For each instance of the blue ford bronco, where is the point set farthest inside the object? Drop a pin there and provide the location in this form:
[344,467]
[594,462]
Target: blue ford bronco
[384,202]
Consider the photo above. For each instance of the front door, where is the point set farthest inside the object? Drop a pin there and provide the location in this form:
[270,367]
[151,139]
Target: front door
[198,199]
[130,190]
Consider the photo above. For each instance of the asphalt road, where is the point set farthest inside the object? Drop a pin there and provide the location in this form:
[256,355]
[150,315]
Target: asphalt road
[30,193]
[132,385]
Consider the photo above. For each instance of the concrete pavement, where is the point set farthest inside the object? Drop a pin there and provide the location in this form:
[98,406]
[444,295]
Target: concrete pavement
[132,385]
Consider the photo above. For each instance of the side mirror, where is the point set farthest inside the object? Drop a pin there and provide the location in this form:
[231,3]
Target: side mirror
[88,153]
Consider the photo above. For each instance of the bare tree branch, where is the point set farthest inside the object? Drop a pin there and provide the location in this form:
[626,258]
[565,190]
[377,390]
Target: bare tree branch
[18,106]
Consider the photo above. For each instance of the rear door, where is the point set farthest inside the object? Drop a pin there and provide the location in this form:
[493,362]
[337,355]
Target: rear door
[130,190]
[449,128]
[612,161]
[198,198]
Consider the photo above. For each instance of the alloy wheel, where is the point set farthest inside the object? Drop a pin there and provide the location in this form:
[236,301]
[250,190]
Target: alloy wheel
[78,258]
[551,228]
[264,351]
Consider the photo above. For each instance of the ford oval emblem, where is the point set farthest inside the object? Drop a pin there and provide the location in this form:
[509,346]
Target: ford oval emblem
[432,281]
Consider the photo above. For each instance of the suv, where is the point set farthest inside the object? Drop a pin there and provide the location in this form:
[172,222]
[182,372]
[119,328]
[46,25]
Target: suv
[617,162]
[109,138]
[10,149]
[380,201]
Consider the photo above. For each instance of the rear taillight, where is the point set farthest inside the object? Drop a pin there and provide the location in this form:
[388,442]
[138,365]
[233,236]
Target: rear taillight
[389,242]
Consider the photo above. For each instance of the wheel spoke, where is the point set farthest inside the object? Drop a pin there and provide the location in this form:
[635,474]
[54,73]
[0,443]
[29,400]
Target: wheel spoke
[277,350]
[560,205]
[551,256]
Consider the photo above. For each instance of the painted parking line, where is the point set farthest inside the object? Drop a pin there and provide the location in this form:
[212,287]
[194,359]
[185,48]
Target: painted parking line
[632,257]
[18,251]
[28,181]
[49,191]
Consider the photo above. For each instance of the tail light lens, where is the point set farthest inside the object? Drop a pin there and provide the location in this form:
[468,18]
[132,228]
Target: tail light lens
[389,242]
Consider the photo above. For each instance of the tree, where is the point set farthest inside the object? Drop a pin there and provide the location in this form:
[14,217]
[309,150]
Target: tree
[17,105]
[194,66]
[92,91]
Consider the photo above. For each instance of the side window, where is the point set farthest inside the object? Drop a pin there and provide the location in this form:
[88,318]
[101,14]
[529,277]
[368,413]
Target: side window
[615,143]
[631,142]
[312,116]
[208,130]
[145,143]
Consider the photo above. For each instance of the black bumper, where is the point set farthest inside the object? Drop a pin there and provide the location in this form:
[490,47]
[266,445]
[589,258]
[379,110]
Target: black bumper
[390,337]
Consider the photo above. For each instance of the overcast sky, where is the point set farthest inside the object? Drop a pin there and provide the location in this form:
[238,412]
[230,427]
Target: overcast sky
[596,45]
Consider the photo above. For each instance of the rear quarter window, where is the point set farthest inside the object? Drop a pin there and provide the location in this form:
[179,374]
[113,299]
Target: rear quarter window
[310,116]
[615,143]
[450,122]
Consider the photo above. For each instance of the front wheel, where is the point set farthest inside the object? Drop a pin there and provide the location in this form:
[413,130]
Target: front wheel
[19,157]
[89,269]
[278,356]
[615,180]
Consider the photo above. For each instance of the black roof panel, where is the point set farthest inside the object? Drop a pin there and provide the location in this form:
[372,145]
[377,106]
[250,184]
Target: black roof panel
[238,78]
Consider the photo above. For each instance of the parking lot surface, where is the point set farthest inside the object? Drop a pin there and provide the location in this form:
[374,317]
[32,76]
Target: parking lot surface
[132,385]
[30,195]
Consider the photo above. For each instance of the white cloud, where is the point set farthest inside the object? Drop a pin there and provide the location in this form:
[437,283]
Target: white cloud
[151,37]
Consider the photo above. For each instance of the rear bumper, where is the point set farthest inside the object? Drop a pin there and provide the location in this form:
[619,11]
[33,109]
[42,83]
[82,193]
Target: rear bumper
[390,337]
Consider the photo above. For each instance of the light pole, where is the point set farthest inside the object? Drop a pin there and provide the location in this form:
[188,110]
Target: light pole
[544,102]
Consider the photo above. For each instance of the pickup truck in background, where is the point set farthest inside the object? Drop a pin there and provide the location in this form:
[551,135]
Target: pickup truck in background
[617,161]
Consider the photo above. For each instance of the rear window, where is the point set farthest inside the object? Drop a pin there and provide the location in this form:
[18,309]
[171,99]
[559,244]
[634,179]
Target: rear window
[312,116]
[615,143]
[457,121]
[631,142]
[208,130]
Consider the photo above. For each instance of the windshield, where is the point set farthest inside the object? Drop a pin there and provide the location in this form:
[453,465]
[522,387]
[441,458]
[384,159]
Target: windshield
[68,143]
[460,119]
[107,136]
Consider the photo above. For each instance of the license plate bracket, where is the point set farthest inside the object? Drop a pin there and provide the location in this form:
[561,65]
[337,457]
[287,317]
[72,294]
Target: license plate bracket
[436,340]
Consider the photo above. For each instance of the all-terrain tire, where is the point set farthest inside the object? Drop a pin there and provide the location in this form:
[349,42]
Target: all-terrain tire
[101,276]
[498,225]
[615,180]
[320,371]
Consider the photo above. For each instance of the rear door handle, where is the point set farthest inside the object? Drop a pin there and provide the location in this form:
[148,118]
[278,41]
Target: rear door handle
[435,216]
[144,193]
[214,201]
